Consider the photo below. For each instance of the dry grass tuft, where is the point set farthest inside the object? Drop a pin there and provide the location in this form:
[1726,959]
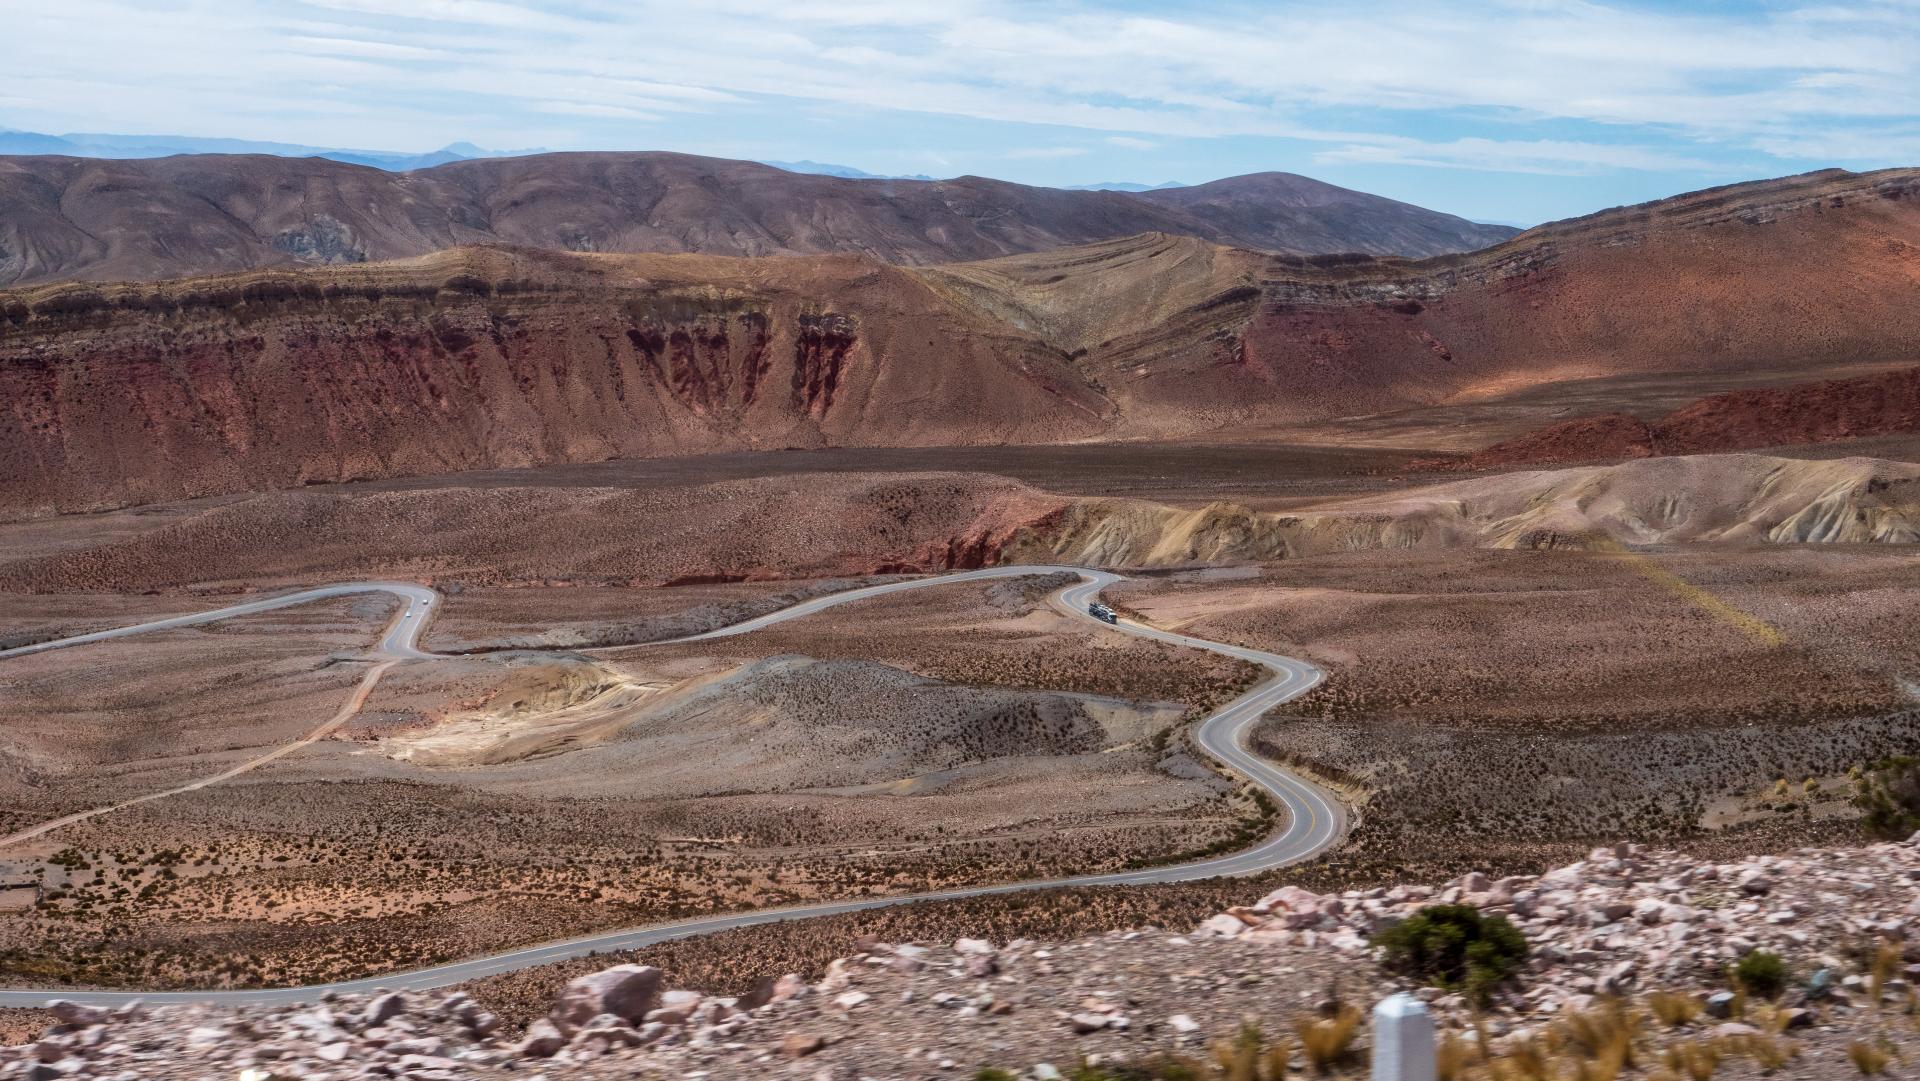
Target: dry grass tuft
[1887,959]
[1248,1058]
[1693,1059]
[1596,1044]
[1525,1060]
[1603,1034]
[1611,1040]
[1771,1054]
[1673,1009]
[1871,1059]
[1455,1057]
[1327,1042]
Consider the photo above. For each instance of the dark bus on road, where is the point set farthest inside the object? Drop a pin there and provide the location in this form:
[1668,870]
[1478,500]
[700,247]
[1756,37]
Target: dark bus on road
[1102,613]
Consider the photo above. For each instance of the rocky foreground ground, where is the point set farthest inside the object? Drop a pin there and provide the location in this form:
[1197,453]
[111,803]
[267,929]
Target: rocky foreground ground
[1628,977]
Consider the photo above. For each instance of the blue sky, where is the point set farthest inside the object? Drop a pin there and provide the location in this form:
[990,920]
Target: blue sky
[1514,111]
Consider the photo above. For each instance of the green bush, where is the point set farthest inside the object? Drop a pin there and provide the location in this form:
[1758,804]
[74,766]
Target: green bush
[1455,947]
[1761,973]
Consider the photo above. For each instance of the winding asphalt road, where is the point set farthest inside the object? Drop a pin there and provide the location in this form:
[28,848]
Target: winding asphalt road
[401,641]
[1315,820]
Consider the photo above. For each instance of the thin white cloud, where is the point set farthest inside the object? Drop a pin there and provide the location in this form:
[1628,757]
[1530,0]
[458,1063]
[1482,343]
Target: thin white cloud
[1848,147]
[1041,153]
[648,88]
[1688,88]
[382,50]
[848,13]
[1542,156]
[492,13]
[589,108]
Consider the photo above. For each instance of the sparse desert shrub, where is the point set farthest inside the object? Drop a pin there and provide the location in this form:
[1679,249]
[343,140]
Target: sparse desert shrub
[1871,1059]
[1693,1060]
[1888,792]
[1673,1009]
[1246,1058]
[1887,959]
[1454,1057]
[1455,946]
[1525,1060]
[1605,1068]
[1327,1042]
[1770,1053]
[1761,973]
[1599,1040]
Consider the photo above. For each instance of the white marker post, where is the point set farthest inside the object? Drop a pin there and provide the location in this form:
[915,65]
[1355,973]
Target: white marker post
[1402,1040]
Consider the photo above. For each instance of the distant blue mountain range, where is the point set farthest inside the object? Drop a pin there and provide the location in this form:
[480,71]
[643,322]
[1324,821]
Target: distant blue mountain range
[1125,185]
[848,172]
[105,145]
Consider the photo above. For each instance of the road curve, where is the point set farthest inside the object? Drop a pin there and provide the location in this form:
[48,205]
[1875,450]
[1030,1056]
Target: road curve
[1315,819]
[401,640]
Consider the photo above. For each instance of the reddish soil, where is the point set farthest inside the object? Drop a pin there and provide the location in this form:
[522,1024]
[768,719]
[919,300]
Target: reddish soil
[1825,412]
[483,358]
[776,527]
[1800,272]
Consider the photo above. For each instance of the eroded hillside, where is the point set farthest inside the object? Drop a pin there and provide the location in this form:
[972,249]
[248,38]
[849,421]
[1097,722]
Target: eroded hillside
[486,357]
[483,358]
[825,524]
[1799,272]
[1826,411]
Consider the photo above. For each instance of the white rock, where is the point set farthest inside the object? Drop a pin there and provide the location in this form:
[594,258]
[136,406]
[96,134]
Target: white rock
[334,1052]
[1084,1023]
[1221,926]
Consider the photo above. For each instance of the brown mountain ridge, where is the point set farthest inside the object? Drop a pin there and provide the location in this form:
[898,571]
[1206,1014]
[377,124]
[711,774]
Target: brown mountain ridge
[478,358]
[94,219]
